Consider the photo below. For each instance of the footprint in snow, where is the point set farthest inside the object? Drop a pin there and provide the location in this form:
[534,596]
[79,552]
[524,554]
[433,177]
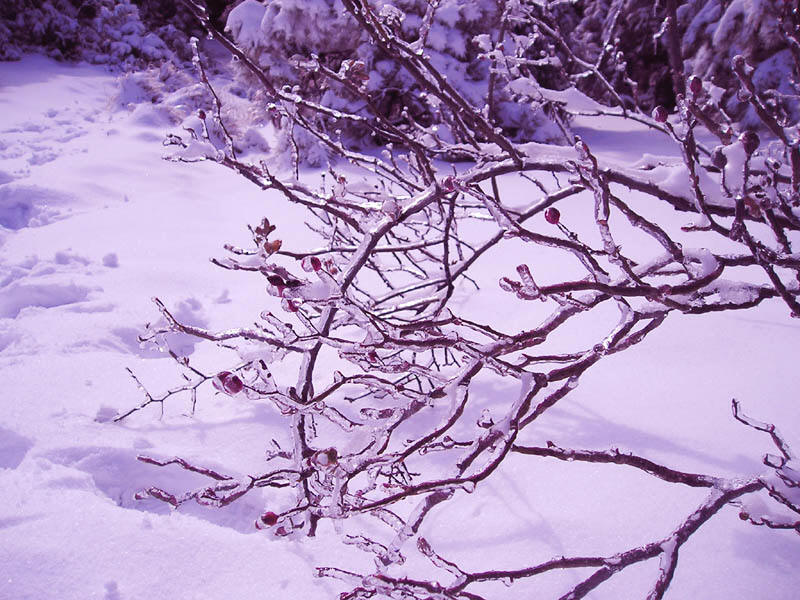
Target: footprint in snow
[40,283]
[117,474]
[32,206]
[68,279]
[189,311]
[112,591]
[13,448]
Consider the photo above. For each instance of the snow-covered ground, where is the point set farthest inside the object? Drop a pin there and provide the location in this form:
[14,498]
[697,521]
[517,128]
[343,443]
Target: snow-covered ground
[93,223]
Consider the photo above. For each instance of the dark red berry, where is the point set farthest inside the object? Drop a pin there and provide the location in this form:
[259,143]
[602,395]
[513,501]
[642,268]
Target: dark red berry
[750,141]
[552,215]
[202,114]
[718,158]
[228,383]
[660,114]
[232,384]
[269,518]
[311,263]
[695,84]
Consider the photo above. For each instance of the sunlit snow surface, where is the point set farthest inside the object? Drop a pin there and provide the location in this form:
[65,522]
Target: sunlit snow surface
[93,223]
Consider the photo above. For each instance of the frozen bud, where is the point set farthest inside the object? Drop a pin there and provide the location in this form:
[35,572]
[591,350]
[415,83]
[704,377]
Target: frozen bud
[311,263]
[660,114]
[202,114]
[277,283]
[326,458]
[449,184]
[424,546]
[390,208]
[582,149]
[695,84]
[726,134]
[290,305]
[265,228]
[718,158]
[331,266]
[272,247]
[552,215]
[743,95]
[228,383]
[269,518]
[738,62]
[509,285]
[773,164]
[750,141]
[752,207]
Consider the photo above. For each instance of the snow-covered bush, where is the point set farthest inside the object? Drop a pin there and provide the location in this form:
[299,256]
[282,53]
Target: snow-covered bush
[293,40]
[625,41]
[718,30]
[403,396]
[111,32]
[620,38]
[613,50]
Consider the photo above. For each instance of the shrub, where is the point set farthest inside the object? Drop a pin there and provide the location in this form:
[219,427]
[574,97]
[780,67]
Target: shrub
[401,424]
[110,32]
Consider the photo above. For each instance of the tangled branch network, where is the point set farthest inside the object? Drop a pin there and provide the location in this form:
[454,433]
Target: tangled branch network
[396,429]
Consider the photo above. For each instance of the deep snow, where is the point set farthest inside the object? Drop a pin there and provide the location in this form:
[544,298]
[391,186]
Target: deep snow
[93,223]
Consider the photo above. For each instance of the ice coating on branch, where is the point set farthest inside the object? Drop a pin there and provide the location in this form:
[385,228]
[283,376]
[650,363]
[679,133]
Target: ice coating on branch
[197,150]
[701,262]
[669,549]
[735,292]
[734,168]
[503,427]
[572,97]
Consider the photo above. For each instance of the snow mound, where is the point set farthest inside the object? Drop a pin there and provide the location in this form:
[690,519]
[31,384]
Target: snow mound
[19,296]
[13,448]
[32,206]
